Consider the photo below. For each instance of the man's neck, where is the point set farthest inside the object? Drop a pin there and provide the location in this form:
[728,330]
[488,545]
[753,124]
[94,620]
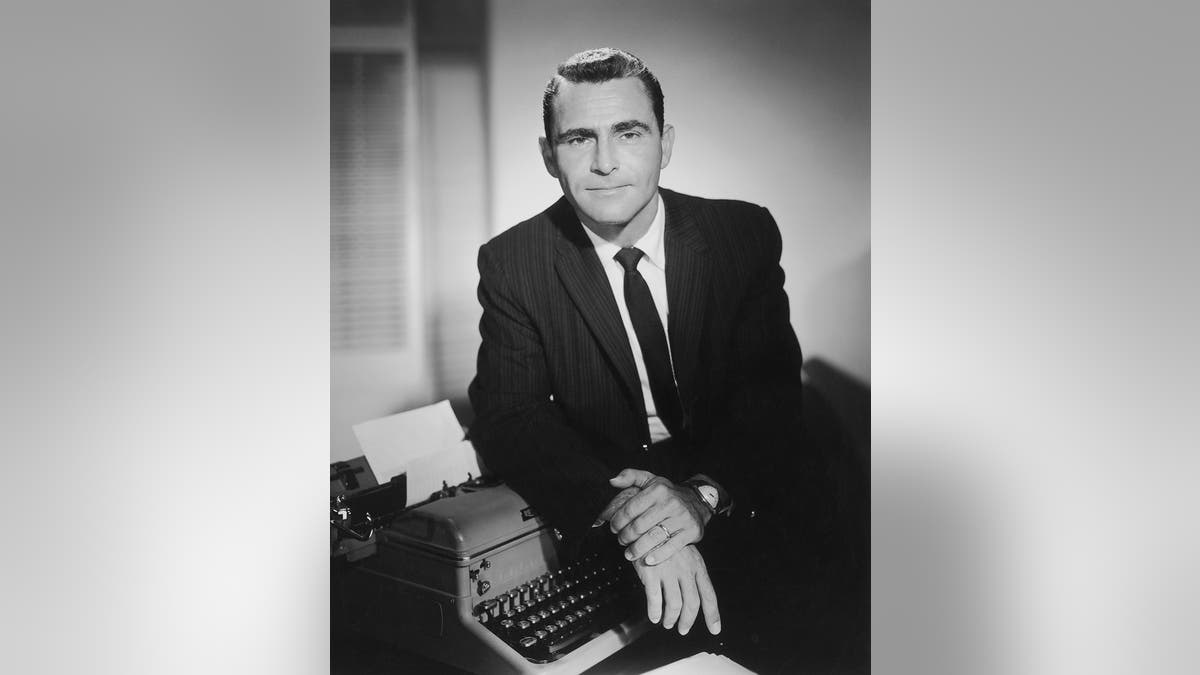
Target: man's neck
[629,233]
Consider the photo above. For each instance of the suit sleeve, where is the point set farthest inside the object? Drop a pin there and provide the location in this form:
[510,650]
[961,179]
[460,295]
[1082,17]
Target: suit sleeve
[519,431]
[755,435]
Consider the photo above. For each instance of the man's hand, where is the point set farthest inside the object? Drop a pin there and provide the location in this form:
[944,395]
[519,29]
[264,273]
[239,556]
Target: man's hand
[616,503]
[660,520]
[678,589]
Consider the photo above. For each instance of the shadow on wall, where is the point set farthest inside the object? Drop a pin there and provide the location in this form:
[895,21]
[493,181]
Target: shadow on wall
[837,428]
[846,399]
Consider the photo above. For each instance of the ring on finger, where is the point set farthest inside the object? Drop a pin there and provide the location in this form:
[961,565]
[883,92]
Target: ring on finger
[665,530]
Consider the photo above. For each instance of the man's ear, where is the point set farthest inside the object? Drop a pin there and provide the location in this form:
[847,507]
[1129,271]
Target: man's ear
[668,142]
[548,156]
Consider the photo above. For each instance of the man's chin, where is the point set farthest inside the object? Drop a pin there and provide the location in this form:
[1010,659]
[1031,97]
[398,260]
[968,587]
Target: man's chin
[606,212]
[608,218]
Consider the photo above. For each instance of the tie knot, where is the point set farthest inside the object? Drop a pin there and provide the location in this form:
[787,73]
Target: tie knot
[629,257]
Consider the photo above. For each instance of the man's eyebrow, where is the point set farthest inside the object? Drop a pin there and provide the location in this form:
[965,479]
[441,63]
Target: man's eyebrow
[577,132]
[629,125]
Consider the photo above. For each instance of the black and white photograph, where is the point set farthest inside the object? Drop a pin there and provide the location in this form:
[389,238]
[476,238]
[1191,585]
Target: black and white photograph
[600,346]
[636,337]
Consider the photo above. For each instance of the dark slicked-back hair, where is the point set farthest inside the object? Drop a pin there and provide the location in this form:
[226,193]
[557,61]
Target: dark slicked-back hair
[596,66]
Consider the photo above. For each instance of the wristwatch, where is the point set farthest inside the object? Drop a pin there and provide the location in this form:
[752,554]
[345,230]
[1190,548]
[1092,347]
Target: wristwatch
[707,493]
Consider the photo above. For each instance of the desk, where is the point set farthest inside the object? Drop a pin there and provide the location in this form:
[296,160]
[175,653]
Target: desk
[355,655]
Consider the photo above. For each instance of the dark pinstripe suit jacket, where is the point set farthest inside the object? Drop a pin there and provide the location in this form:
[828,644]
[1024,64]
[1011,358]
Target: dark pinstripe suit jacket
[556,395]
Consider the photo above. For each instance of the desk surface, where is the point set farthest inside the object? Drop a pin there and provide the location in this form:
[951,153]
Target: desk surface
[356,655]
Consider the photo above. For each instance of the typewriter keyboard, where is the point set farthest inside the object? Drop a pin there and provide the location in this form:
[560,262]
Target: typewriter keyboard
[551,615]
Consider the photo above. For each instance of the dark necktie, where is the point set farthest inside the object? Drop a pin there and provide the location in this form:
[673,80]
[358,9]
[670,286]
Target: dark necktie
[653,339]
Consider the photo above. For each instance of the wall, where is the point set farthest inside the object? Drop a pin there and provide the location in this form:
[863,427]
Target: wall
[770,103]
[449,206]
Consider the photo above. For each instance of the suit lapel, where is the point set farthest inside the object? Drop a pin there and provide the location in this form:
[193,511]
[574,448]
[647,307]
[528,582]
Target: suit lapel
[586,284]
[687,292]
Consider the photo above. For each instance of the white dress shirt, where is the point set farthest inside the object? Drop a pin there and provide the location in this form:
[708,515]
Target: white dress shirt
[653,268]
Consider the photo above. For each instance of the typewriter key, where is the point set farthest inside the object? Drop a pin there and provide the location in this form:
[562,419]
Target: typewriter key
[528,641]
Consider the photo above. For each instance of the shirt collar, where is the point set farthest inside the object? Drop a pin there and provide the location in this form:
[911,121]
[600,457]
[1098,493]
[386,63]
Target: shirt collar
[651,243]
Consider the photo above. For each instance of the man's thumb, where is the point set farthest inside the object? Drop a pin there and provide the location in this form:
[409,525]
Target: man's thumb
[622,480]
[631,478]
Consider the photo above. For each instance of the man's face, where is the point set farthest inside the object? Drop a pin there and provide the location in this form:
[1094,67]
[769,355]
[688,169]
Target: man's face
[607,152]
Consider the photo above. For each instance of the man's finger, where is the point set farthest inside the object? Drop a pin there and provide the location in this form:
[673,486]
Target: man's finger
[638,527]
[654,600]
[691,605]
[672,602]
[632,508]
[669,548]
[646,543]
[652,493]
[631,478]
[616,503]
[708,601]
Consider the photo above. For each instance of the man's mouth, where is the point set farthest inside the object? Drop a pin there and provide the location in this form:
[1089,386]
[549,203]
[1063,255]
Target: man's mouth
[607,190]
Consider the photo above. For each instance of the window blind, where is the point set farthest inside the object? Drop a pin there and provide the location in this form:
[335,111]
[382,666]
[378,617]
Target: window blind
[368,242]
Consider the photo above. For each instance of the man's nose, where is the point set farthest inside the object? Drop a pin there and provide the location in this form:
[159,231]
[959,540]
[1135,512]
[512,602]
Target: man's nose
[604,161]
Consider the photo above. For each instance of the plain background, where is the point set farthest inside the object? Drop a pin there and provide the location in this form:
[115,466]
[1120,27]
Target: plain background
[165,359]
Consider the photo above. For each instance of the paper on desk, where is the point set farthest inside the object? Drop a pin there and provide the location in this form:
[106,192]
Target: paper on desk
[426,443]
[704,662]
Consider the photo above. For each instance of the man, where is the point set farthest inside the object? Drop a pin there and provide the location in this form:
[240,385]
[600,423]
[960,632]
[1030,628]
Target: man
[639,380]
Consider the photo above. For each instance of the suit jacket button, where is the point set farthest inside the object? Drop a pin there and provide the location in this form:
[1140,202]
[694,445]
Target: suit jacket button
[645,447]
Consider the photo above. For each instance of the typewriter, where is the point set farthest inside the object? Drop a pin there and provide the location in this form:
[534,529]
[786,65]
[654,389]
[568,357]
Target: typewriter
[472,578]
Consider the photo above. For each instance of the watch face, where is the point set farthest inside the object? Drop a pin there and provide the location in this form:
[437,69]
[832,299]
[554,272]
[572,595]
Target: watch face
[709,494]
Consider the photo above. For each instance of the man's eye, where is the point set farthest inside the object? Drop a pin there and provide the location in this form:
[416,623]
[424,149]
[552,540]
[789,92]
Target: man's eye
[631,135]
[575,140]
